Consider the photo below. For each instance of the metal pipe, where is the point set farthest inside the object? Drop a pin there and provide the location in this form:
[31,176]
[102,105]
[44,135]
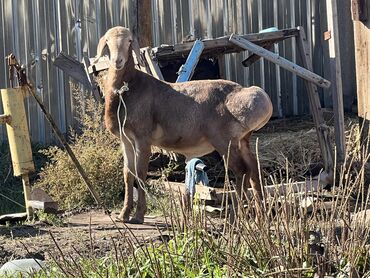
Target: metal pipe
[27,195]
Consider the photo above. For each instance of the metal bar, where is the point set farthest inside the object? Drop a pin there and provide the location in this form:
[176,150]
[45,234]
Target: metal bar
[282,62]
[186,70]
[27,195]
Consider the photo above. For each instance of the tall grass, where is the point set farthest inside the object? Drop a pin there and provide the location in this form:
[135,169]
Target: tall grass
[288,239]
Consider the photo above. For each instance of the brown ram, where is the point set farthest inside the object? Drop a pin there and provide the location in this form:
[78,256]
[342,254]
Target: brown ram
[192,118]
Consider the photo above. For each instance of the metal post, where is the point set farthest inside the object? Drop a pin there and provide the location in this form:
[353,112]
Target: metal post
[27,195]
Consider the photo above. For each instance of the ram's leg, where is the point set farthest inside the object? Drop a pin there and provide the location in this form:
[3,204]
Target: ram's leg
[243,165]
[251,162]
[142,158]
[128,170]
[235,162]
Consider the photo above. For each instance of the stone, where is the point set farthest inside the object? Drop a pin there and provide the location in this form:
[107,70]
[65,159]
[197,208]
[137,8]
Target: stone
[21,266]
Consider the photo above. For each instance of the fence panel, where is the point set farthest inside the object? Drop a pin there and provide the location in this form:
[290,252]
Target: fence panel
[37,30]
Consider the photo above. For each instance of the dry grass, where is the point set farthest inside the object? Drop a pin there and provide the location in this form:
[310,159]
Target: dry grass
[286,240]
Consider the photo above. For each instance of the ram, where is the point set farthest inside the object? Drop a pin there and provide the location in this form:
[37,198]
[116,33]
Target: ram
[192,118]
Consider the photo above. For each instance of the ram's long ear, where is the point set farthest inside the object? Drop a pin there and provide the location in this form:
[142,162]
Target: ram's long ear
[136,48]
[100,49]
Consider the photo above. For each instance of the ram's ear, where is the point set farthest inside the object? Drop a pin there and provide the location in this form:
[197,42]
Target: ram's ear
[100,49]
[136,48]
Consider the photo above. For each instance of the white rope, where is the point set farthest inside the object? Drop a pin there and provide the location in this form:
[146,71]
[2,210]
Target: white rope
[121,125]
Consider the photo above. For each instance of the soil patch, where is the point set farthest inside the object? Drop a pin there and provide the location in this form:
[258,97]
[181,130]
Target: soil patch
[89,232]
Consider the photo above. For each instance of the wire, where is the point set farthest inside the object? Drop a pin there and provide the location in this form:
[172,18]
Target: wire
[11,200]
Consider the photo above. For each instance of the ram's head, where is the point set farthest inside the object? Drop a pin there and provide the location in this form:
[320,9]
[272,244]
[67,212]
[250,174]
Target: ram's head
[120,43]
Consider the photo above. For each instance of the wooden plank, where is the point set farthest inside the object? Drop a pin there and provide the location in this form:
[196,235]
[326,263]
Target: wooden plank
[282,62]
[102,64]
[362,53]
[213,47]
[270,191]
[315,105]
[254,57]
[186,71]
[48,207]
[94,87]
[336,77]
[362,37]
[218,194]
[153,65]
[13,217]
[73,68]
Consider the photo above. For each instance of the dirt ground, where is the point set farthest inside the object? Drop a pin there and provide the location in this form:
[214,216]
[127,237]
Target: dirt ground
[90,232]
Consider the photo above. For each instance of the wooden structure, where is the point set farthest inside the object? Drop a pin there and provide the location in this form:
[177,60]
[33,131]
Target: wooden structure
[227,44]
[215,196]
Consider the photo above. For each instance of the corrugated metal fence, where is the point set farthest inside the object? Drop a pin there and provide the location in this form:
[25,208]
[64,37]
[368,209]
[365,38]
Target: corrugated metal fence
[37,30]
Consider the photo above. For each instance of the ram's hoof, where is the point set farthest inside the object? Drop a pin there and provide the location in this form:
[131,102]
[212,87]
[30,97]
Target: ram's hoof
[134,220]
[122,220]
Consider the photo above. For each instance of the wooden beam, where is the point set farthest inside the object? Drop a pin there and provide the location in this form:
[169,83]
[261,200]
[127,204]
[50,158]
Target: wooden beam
[277,190]
[336,77]
[218,194]
[221,45]
[254,57]
[153,65]
[13,217]
[315,106]
[48,207]
[73,68]
[282,62]
[94,87]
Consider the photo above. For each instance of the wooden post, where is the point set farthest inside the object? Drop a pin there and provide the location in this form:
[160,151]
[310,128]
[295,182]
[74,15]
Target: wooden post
[362,52]
[315,106]
[19,140]
[144,11]
[336,77]
[141,21]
